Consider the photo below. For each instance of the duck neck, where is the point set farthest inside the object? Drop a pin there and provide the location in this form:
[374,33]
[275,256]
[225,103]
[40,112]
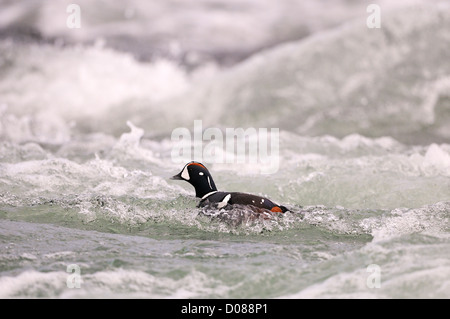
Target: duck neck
[205,188]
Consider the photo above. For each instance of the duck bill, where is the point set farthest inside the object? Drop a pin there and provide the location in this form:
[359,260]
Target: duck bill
[177,177]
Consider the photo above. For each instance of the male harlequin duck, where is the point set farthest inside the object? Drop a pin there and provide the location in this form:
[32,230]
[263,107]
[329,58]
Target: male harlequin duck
[198,176]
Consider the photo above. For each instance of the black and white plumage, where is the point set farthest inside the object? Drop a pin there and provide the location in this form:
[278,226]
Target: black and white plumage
[198,176]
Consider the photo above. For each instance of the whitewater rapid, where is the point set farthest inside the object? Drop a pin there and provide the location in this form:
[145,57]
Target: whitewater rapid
[364,156]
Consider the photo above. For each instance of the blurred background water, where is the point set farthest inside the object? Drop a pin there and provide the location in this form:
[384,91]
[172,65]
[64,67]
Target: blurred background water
[86,117]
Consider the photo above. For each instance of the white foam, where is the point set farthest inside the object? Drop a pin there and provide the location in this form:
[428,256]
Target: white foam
[428,219]
[28,256]
[437,157]
[118,283]
[33,284]
[70,81]
[215,31]
[431,282]
[406,269]
[41,126]
[59,254]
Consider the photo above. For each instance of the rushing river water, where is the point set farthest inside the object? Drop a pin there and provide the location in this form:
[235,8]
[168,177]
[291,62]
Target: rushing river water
[363,162]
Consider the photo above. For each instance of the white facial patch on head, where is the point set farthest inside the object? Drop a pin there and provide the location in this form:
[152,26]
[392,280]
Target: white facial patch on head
[201,173]
[185,173]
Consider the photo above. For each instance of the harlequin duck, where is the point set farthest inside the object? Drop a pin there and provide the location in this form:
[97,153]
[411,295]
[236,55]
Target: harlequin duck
[198,176]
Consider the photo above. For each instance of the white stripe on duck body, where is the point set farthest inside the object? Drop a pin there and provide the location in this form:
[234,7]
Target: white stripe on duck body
[198,176]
